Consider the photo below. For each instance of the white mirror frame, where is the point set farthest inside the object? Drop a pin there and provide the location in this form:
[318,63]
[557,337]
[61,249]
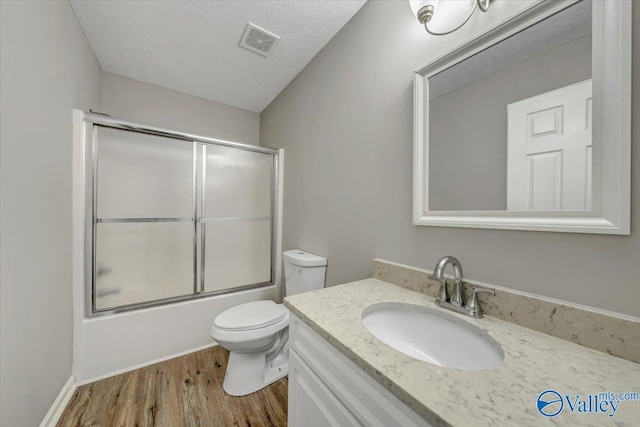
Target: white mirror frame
[611,74]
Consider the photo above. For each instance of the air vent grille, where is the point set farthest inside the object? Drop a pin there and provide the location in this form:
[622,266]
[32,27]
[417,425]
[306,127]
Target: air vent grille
[258,40]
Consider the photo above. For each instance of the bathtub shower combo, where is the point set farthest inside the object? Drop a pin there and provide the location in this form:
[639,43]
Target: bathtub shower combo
[172,217]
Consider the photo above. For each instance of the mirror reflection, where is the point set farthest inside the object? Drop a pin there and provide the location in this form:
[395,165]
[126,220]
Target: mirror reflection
[510,127]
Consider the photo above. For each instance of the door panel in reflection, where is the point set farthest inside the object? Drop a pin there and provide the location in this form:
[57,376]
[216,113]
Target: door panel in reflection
[549,151]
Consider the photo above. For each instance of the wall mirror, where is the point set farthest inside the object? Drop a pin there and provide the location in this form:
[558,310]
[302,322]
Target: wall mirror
[528,126]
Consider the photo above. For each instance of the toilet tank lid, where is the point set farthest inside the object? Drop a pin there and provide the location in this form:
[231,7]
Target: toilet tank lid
[303,259]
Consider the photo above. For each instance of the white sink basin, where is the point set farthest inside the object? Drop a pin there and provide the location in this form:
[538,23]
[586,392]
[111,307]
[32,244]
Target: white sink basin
[433,336]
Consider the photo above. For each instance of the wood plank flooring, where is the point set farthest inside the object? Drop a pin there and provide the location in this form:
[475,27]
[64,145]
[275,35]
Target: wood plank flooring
[186,391]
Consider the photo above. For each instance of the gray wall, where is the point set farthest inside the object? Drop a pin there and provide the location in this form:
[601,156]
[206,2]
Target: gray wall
[346,125]
[468,126]
[133,100]
[47,69]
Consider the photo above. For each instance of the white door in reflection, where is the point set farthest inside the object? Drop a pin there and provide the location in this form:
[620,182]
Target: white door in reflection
[549,151]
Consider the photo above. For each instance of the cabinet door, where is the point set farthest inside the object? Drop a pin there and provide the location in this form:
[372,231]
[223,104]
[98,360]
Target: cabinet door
[311,403]
[358,394]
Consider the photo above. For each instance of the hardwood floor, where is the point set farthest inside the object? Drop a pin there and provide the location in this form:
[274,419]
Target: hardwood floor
[186,391]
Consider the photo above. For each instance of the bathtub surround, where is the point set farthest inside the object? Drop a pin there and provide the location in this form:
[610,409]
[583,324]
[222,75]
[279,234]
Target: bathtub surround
[610,333]
[109,345]
[503,395]
[47,69]
[346,123]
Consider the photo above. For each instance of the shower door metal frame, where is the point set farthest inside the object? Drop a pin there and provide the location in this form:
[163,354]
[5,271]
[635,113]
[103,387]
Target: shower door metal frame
[94,122]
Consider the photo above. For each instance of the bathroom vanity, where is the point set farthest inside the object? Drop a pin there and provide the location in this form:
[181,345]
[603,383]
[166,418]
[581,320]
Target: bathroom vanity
[328,389]
[341,374]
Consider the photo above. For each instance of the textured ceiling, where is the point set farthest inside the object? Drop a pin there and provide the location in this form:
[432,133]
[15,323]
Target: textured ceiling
[193,46]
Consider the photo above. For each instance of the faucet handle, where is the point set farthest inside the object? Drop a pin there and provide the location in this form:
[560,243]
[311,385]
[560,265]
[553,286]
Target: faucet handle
[473,306]
[443,294]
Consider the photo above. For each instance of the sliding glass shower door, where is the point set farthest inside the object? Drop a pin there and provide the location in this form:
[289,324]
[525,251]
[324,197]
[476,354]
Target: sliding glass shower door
[175,219]
[236,218]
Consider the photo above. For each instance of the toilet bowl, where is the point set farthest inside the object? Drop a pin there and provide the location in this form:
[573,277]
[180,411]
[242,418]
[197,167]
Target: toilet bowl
[257,333]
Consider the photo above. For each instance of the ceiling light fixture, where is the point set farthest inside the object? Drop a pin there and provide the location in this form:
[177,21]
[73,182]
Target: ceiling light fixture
[437,16]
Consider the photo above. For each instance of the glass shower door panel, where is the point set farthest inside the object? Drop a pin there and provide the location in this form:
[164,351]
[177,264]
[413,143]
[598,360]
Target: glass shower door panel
[142,262]
[143,176]
[237,184]
[237,254]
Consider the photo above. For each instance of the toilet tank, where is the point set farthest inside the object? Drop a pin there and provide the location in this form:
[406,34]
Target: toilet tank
[303,272]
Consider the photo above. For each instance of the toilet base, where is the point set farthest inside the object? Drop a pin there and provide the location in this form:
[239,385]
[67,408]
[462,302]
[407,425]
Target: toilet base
[247,373]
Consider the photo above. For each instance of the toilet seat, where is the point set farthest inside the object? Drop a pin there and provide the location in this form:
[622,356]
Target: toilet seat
[266,328]
[250,316]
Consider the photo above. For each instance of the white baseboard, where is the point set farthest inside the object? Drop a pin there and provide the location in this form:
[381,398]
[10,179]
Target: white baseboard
[142,365]
[60,404]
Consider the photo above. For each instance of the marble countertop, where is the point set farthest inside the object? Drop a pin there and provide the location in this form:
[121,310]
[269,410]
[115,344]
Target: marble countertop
[505,395]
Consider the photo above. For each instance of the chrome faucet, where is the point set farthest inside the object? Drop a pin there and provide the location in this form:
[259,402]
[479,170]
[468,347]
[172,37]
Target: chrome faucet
[456,302]
[438,274]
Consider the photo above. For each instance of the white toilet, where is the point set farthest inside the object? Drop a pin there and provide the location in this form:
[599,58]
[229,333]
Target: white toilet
[257,333]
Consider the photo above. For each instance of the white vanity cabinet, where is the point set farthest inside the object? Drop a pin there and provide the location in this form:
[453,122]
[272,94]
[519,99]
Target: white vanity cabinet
[327,389]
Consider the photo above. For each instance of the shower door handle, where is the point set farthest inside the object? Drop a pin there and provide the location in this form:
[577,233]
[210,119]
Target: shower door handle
[203,226]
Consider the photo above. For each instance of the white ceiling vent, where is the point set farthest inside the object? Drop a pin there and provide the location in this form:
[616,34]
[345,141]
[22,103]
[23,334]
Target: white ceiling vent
[258,40]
